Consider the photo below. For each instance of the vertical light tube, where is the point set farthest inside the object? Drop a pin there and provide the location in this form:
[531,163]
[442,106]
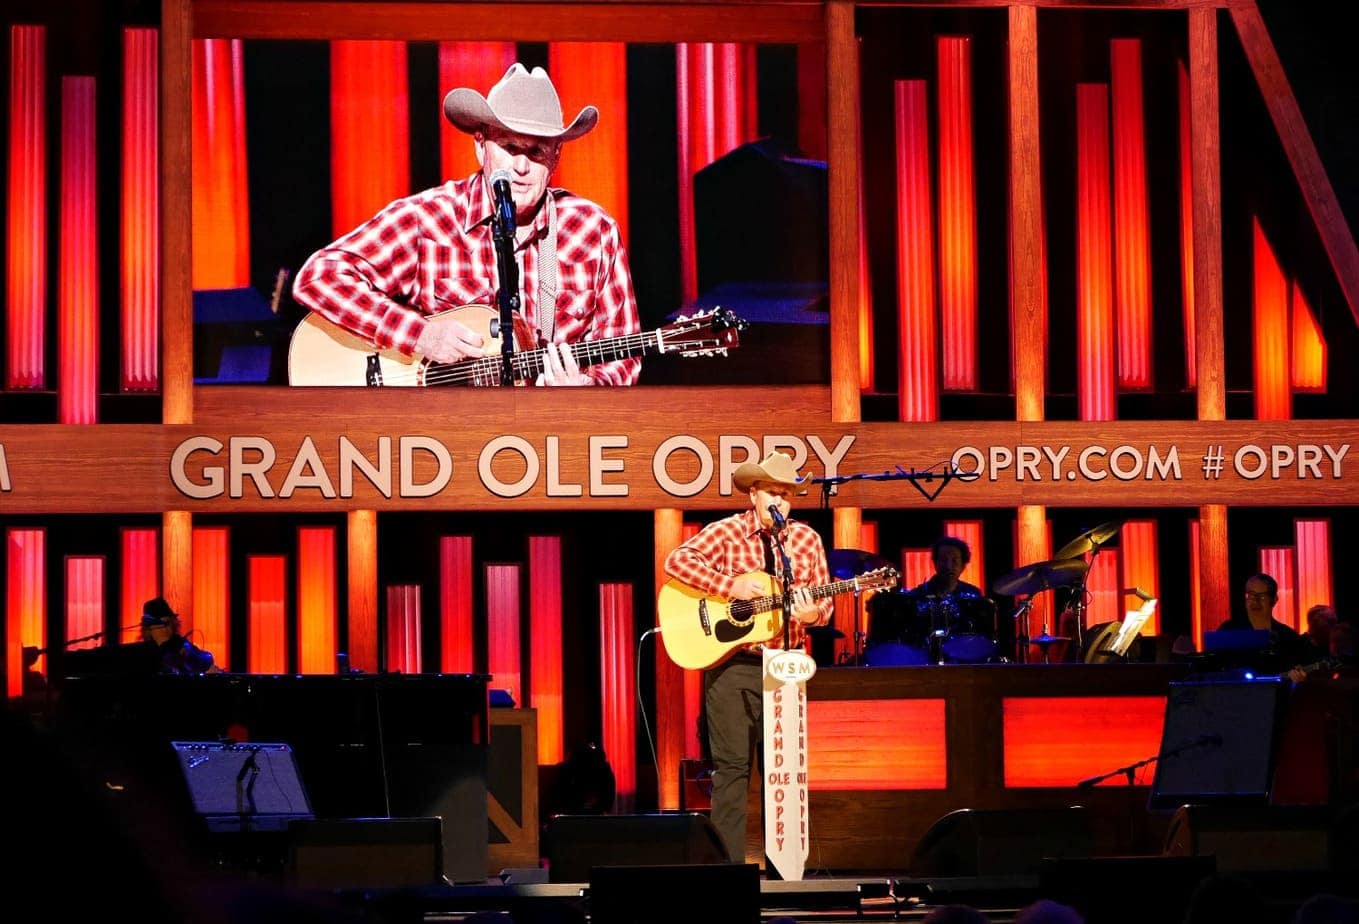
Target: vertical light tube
[1098,393]
[1132,222]
[84,602]
[25,601]
[403,628]
[1102,583]
[596,165]
[1191,366]
[1309,346]
[139,271]
[618,691]
[369,98]
[456,651]
[221,195]
[26,238]
[957,215]
[503,661]
[212,592]
[78,258]
[317,604]
[140,578]
[1272,349]
[1139,544]
[1312,538]
[917,347]
[545,645]
[266,614]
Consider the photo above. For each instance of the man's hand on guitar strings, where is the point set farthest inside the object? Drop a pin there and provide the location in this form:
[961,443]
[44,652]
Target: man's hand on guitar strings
[560,367]
[804,607]
[449,341]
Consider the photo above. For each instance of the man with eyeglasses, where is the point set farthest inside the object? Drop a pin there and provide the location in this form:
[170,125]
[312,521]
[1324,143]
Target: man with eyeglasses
[1262,594]
[433,253]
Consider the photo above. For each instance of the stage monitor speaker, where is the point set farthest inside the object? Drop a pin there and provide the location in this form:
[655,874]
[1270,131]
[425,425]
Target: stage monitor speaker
[1217,743]
[1124,890]
[365,853]
[576,844]
[248,787]
[1249,839]
[727,892]
[1001,842]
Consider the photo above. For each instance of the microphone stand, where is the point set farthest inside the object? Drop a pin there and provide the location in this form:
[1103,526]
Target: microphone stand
[918,478]
[245,800]
[507,296]
[785,582]
[1130,772]
[1021,618]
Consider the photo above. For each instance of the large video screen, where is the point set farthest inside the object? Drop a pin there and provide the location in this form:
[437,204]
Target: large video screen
[710,158]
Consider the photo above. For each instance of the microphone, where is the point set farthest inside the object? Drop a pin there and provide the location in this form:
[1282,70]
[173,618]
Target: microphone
[779,522]
[1139,593]
[504,203]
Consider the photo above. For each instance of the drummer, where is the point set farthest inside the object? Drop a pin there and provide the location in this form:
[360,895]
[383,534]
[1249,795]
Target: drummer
[950,556]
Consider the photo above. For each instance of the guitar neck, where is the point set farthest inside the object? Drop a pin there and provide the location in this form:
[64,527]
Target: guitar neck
[527,365]
[765,604]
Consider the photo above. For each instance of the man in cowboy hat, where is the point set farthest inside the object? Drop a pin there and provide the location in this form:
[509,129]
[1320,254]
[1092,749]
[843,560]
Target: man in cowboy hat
[435,250]
[731,558]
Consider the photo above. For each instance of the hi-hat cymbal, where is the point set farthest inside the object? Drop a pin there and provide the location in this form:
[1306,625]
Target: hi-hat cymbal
[848,563]
[1090,540]
[1030,579]
[1046,639]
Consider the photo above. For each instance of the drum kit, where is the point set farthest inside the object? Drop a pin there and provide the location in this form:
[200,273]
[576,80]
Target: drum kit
[913,627]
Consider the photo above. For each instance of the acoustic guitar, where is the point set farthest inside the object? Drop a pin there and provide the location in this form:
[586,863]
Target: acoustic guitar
[700,630]
[323,353]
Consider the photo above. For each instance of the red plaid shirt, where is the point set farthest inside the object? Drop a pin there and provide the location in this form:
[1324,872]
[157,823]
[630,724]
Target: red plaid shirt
[434,251]
[733,546]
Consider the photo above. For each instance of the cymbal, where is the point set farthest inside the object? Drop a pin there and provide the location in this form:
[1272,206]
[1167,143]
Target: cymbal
[1030,579]
[848,563]
[1090,540]
[1048,639]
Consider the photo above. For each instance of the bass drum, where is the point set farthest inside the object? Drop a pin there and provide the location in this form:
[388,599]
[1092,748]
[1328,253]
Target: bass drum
[895,654]
[971,637]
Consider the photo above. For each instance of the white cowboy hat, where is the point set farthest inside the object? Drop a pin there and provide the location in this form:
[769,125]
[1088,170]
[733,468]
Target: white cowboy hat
[523,102]
[775,468]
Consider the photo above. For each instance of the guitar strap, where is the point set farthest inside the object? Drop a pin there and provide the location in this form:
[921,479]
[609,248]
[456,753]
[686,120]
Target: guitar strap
[770,560]
[546,313]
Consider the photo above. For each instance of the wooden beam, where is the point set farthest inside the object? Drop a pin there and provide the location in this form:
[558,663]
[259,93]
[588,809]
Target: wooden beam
[176,553]
[1205,158]
[842,116]
[670,730]
[176,222]
[1215,591]
[1028,286]
[1316,187]
[362,575]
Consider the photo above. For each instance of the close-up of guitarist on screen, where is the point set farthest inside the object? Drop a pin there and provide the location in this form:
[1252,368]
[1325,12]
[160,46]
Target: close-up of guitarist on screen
[426,276]
[737,558]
